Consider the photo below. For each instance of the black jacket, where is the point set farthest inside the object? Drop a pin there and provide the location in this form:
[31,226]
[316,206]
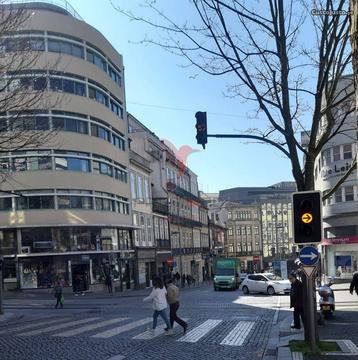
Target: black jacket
[296,294]
[354,283]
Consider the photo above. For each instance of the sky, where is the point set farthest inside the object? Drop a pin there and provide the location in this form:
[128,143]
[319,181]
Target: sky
[165,96]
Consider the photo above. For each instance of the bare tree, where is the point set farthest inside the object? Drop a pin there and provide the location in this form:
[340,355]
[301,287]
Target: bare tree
[23,91]
[293,82]
[353,7]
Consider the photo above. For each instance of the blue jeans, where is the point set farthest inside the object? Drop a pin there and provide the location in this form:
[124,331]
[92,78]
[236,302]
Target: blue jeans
[163,315]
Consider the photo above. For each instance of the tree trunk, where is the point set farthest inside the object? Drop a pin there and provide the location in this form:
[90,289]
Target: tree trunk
[354,42]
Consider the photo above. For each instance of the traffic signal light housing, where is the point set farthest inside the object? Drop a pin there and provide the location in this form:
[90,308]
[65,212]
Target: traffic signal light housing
[201,128]
[307,217]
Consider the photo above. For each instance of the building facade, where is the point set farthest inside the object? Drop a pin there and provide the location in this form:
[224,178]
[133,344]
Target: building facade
[69,214]
[340,211]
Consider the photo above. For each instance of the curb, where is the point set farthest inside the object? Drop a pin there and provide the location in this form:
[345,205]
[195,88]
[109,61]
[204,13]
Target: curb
[9,317]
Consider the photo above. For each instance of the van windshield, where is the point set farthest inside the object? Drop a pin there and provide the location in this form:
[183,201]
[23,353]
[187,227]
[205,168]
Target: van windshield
[225,272]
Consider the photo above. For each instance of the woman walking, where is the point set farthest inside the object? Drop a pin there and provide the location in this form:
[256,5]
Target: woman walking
[158,297]
[58,291]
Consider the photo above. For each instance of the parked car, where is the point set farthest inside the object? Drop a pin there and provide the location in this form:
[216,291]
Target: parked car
[265,283]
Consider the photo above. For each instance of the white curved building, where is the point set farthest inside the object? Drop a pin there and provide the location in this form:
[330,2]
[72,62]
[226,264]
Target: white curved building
[340,212]
[73,218]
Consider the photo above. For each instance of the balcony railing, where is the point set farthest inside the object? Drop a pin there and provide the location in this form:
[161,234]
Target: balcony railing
[179,220]
[182,192]
[190,250]
[160,206]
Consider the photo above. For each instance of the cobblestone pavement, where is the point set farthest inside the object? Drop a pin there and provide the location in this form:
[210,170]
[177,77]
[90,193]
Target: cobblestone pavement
[222,325]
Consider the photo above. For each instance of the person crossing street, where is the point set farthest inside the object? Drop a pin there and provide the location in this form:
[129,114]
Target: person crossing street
[173,301]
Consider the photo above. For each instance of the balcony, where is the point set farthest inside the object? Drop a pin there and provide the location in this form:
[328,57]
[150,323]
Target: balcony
[139,160]
[160,205]
[163,244]
[182,192]
[179,220]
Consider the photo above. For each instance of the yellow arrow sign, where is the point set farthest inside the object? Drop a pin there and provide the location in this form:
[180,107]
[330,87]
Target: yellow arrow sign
[307,218]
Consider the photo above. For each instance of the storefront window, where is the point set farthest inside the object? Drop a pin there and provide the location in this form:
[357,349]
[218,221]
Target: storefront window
[345,264]
[7,242]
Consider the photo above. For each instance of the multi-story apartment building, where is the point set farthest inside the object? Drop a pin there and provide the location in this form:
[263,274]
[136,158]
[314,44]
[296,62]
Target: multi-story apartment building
[340,211]
[217,227]
[69,216]
[141,200]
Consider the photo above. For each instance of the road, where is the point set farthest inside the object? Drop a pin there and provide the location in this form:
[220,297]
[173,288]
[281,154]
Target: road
[222,325]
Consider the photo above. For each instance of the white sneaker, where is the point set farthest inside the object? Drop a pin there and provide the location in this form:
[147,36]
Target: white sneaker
[169,332]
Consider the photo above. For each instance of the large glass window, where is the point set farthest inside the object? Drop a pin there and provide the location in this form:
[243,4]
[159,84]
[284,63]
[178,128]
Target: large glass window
[104,204]
[101,132]
[98,95]
[338,196]
[72,164]
[24,44]
[25,123]
[68,124]
[119,142]
[35,202]
[133,186]
[336,153]
[74,202]
[96,59]
[116,109]
[65,47]
[68,85]
[114,75]
[349,193]
[7,242]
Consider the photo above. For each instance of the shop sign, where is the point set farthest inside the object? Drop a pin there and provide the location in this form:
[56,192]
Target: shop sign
[342,240]
[336,170]
[257,258]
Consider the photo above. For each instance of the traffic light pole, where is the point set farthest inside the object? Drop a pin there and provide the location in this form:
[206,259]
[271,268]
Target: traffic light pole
[310,318]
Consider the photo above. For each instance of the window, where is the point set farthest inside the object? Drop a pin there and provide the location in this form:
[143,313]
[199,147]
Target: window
[133,183]
[39,163]
[229,231]
[68,86]
[347,151]
[114,75]
[116,109]
[65,47]
[248,229]
[5,204]
[24,44]
[349,193]
[101,132]
[139,187]
[256,230]
[336,153]
[119,142]
[338,195]
[104,204]
[96,59]
[35,202]
[98,95]
[72,164]
[120,175]
[229,215]
[146,189]
[238,231]
[67,124]
[74,202]
[243,230]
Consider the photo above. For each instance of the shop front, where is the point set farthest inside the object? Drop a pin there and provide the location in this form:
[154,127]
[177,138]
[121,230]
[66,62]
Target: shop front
[146,262]
[164,262]
[340,257]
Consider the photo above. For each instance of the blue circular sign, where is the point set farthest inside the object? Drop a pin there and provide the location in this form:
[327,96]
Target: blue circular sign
[309,255]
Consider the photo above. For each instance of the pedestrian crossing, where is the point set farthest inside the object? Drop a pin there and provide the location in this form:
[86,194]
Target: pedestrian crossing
[233,332]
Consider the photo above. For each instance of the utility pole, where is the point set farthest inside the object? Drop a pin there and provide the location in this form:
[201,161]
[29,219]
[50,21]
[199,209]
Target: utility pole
[1,284]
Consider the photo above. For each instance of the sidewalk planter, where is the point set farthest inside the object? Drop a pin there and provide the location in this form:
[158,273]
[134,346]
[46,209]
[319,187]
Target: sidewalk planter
[323,346]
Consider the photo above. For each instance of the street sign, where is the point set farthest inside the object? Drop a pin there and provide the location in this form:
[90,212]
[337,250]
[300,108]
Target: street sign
[309,270]
[309,256]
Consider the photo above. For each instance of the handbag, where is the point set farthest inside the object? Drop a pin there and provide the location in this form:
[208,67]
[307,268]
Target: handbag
[62,300]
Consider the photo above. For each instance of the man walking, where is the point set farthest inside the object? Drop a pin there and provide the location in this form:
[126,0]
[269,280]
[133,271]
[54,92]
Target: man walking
[296,298]
[354,284]
[173,301]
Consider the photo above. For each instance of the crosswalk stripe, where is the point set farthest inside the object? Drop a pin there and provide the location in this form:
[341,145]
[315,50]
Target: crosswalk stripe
[120,329]
[58,327]
[200,331]
[148,335]
[89,327]
[238,334]
[32,325]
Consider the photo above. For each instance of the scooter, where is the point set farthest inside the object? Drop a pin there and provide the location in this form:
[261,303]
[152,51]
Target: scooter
[326,301]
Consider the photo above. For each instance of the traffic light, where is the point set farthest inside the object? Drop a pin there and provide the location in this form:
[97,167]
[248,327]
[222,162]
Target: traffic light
[307,217]
[201,129]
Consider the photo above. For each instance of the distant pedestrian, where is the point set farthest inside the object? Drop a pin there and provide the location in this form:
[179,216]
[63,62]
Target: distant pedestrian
[160,304]
[183,278]
[188,280]
[296,298]
[354,284]
[109,283]
[173,301]
[58,292]
[177,278]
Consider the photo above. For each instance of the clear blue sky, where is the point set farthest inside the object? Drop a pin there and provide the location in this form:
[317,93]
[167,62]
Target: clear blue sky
[154,77]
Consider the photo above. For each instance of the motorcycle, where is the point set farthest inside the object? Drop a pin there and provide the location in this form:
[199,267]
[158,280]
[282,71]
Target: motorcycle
[326,301]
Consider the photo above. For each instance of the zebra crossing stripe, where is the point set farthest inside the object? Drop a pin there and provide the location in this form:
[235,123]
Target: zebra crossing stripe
[121,329]
[89,327]
[32,325]
[238,334]
[58,327]
[148,335]
[197,333]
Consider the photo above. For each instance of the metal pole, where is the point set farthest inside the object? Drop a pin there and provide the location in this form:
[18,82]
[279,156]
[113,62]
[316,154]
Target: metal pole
[1,284]
[311,315]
